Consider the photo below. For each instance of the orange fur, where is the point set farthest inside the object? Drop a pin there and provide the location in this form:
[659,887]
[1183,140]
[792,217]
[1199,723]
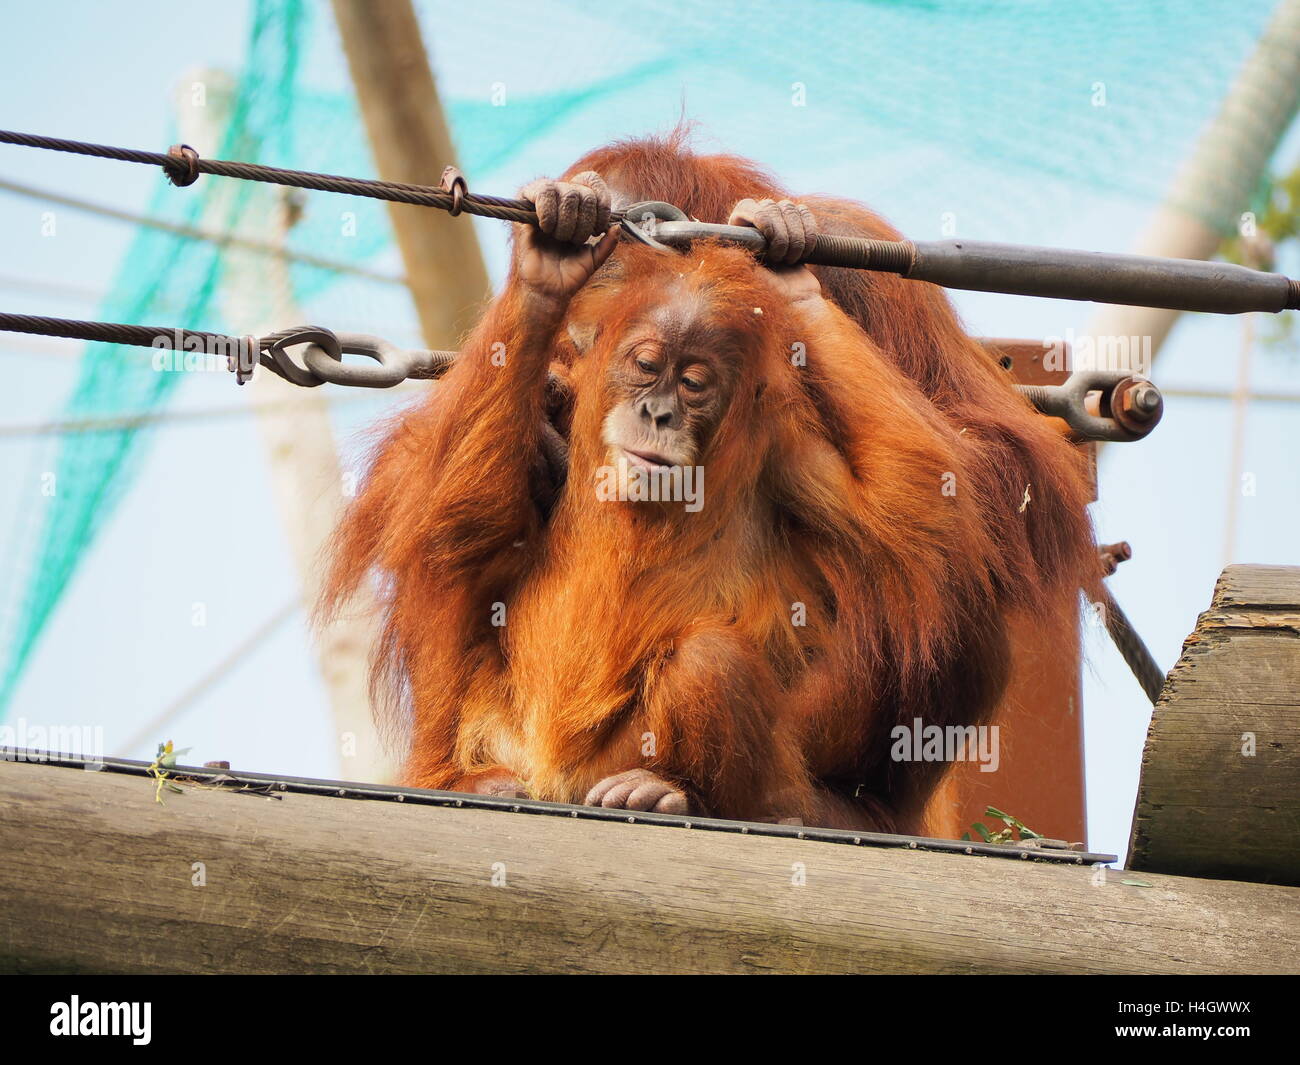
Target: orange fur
[823,487]
[1008,445]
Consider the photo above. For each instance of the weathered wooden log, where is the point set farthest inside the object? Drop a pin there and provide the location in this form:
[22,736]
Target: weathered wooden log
[1220,788]
[98,877]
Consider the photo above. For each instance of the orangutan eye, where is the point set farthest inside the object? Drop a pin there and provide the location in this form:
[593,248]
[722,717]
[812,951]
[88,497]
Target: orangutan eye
[646,366]
[694,384]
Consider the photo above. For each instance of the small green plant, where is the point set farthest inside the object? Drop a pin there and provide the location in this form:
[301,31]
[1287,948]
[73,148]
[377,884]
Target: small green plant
[1274,222]
[161,767]
[1003,835]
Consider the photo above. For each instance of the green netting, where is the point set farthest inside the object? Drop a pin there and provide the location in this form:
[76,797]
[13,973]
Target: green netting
[163,279]
[999,97]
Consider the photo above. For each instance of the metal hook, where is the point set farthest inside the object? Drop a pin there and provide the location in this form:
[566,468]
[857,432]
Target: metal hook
[392,365]
[648,214]
[667,228]
[1129,406]
[277,359]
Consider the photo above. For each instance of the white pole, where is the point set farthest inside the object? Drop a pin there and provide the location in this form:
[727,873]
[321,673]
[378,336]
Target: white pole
[1215,184]
[295,427]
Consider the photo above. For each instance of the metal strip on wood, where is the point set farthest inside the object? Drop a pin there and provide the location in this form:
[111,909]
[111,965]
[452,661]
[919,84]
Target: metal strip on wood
[272,783]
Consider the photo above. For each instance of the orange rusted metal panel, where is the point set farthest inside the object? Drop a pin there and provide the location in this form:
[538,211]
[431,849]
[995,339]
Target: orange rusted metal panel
[1040,772]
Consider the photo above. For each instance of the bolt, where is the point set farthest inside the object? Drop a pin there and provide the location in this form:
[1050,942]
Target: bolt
[1142,400]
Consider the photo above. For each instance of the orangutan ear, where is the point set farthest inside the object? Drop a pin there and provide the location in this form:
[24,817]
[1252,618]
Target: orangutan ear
[583,335]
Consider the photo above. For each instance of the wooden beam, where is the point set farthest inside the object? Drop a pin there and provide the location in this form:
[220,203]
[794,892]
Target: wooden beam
[1219,794]
[411,142]
[98,877]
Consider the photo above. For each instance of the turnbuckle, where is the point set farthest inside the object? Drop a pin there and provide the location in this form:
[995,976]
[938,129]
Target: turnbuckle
[1101,404]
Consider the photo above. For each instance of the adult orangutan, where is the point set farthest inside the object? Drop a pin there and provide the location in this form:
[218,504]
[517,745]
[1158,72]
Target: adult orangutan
[860,541]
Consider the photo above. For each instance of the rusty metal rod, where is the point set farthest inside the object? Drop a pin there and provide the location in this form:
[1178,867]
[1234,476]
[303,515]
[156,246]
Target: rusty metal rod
[1103,277]
[981,266]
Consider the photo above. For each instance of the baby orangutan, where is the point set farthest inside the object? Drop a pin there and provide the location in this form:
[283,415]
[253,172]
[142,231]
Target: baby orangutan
[738,641]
